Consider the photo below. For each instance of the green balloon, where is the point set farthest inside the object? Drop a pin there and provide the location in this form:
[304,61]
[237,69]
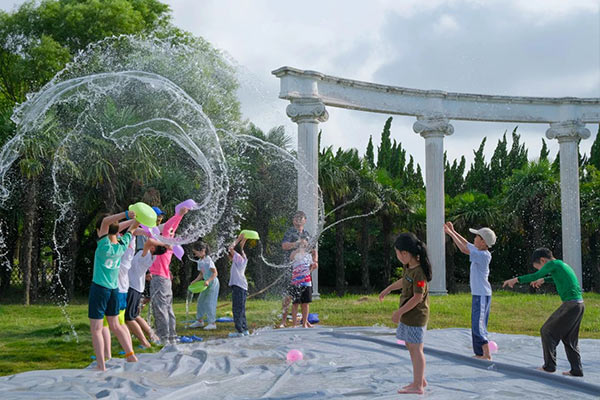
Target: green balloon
[144,214]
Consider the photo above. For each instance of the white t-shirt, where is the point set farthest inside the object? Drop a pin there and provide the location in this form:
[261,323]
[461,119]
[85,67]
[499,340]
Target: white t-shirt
[137,273]
[123,283]
[480,269]
[237,276]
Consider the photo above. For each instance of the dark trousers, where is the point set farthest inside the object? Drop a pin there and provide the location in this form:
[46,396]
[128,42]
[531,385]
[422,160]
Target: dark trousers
[563,325]
[238,299]
[480,314]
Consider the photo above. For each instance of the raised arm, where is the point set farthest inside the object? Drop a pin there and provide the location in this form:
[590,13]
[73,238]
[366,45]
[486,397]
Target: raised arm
[111,219]
[460,241]
[394,286]
[173,223]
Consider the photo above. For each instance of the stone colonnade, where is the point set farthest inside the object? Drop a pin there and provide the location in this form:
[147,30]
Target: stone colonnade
[310,92]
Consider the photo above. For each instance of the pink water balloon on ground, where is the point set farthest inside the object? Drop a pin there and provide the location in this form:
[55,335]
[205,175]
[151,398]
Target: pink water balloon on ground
[493,347]
[294,355]
[401,342]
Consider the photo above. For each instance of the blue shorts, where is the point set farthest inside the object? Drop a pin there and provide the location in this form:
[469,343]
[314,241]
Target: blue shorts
[103,301]
[122,301]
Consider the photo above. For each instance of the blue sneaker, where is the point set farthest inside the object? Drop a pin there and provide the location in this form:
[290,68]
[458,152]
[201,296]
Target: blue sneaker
[235,334]
[246,333]
[196,338]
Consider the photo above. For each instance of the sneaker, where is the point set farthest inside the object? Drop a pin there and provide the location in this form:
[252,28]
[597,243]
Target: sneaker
[185,339]
[210,327]
[197,324]
[235,334]
[196,338]
[246,333]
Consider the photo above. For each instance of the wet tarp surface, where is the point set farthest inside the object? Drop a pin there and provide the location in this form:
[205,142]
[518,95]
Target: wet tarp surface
[339,363]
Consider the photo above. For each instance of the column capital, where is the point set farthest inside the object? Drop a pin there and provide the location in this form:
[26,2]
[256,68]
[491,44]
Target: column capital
[307,110]
[566,131]
[433,126]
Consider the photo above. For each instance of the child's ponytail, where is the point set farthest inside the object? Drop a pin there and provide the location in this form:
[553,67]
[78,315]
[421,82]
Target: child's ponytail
[424,259]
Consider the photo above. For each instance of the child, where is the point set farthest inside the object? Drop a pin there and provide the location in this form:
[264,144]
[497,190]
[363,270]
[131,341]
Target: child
[161,290]
[413,314]
[302,266]
[563,324]
[239,287]
[137,282]
[103,299]
[207,300]
[481,290]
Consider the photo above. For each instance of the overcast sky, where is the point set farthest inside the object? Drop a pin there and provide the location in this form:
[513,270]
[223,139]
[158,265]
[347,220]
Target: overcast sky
[508,47]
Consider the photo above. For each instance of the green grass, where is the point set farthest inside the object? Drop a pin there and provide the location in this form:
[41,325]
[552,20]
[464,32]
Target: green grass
[39,337]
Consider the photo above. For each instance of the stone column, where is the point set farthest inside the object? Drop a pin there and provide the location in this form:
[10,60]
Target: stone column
[568,134]
[433,129]
[307,113]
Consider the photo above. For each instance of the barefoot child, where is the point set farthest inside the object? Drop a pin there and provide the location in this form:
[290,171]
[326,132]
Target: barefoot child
[302,266]
[413,314]
[103,299]
[239,287]
[207,300]
[481,290]
[563,324]
[142,260]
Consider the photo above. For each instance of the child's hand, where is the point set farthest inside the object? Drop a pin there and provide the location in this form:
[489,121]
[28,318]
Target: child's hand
[131,214]
[383,294]
[510,282]
[537,284]
[396,317]
[206,283]
[183,211]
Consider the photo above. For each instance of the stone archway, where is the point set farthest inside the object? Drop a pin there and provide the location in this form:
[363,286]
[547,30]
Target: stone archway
[309,93]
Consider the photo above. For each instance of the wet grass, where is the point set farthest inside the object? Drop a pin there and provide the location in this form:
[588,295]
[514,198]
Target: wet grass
[39,337]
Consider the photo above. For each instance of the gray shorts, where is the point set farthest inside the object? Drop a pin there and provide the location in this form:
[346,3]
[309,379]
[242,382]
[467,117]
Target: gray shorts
[411,334]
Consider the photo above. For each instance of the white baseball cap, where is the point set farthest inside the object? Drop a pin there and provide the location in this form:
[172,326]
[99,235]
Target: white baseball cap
[488,235]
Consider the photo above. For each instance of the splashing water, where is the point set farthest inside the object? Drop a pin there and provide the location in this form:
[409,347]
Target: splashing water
[131,110]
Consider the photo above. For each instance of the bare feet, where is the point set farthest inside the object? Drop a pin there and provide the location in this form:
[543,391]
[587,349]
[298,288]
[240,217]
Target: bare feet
[282,325]
[412,390]
[412,385]
[132,358]
[483,357]
[101,369]
[568,373]
[543,370]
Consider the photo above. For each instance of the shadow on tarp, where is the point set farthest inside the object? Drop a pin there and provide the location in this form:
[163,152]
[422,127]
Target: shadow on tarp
[569,383]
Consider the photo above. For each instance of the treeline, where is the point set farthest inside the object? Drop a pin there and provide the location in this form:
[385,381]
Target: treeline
[514,193]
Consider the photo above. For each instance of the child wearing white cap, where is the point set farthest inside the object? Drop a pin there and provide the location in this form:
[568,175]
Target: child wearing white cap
[481,290]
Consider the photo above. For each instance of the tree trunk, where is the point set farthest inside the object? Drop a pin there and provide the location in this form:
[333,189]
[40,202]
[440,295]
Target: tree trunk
[340,268]
[364,265]
[27,249]
[387,247]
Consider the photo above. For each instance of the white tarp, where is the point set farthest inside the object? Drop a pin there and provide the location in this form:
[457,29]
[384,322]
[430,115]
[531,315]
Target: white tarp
[356,363]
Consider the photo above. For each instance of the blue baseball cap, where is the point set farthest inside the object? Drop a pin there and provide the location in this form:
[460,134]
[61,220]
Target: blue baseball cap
[158,211]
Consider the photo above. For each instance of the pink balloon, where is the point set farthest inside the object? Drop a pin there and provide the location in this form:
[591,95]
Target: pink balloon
[155,231]
[401,342]
[146,229]
[189,203]
[178,251]
[493,347]
[294,355]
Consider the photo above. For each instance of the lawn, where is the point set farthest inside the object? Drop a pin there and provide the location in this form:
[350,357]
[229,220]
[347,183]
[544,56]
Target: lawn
[39,337]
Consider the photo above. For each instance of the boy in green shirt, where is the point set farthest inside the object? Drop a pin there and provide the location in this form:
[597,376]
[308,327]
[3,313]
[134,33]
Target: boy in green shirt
[563,324]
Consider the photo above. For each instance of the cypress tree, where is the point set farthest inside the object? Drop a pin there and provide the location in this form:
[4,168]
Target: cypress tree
[369,156]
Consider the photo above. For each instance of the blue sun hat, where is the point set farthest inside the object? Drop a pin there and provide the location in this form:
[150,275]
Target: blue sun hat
[158,211]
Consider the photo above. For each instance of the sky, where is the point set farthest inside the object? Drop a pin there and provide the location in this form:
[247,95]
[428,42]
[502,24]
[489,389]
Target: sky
[507,47]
